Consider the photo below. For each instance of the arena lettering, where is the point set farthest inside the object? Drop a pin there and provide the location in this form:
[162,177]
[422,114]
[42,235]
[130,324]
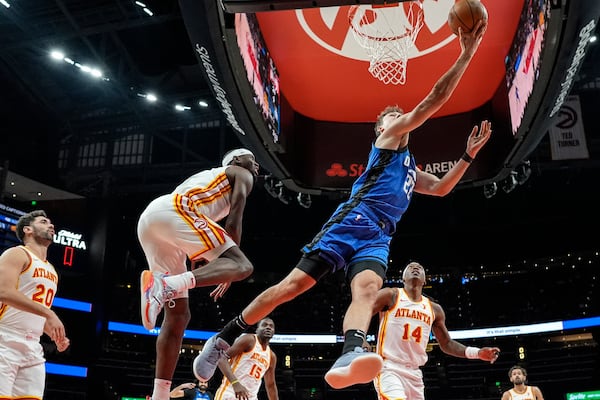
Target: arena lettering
[568,143]
[414,314]
[11,210]
[439,167]
[356,169]
[220,93]
[44,273]
[71,239]
[584,39]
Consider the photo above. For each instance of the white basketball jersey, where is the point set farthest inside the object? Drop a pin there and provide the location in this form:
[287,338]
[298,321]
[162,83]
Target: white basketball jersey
[404,331]
[528,395]
[249,369]
[38,282]
[205,193]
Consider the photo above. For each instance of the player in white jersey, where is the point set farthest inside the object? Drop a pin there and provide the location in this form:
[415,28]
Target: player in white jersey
[184,225]
[521,391]
[250,360]
[28,284]
[406,318]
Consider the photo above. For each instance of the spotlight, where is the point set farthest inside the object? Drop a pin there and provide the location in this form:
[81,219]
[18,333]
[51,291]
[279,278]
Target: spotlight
[489,190]
[510,183]
[523,172]
[57,55]
[151,97]
[304,200]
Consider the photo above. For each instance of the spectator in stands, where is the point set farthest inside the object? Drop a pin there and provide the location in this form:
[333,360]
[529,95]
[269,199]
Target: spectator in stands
[520,391]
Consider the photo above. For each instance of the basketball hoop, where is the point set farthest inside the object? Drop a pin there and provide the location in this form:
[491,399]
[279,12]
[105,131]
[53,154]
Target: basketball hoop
[387,33]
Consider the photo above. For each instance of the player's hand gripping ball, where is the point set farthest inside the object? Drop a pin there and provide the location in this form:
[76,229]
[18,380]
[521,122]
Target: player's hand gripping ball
[466,14]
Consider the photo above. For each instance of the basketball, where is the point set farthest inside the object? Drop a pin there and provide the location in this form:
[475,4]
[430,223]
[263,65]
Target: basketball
[466,14]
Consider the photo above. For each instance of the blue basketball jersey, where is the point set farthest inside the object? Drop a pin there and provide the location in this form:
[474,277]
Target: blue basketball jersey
[360,229]
[386,185]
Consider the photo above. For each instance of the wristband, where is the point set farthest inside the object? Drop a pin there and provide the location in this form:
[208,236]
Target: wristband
[234,382]
[466,157]
[472,352]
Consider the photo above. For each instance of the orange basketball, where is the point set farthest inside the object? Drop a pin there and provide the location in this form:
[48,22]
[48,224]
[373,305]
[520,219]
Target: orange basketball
[466,14]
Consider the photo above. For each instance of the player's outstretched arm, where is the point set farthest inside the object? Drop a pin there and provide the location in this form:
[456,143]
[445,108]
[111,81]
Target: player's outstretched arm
[431,185]
[386,297]
[444,87]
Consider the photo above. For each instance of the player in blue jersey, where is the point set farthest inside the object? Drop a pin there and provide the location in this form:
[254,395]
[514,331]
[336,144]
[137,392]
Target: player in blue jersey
[357,236]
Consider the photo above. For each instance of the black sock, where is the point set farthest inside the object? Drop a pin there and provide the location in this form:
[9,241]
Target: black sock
[233,329]
[353,338]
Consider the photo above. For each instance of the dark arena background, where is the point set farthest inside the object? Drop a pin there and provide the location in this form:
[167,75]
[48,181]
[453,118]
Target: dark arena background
[108,103]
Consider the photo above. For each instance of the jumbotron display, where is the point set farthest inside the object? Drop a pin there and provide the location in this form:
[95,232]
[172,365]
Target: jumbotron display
[328,101]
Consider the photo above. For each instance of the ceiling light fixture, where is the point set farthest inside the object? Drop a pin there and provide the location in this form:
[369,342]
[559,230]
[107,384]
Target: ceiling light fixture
[271,186]
[489,190]
[523,172]
[304,200]
[510,183]
[145,8]
[283,194]
[94,72]
[57,55]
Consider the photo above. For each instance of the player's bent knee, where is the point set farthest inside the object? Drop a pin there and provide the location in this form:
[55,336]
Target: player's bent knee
[245,269]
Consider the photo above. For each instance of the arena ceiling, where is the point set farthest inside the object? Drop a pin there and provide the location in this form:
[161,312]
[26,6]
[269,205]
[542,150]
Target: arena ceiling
[47,105]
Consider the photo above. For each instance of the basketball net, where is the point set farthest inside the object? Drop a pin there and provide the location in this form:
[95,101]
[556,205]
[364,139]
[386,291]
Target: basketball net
[387,33]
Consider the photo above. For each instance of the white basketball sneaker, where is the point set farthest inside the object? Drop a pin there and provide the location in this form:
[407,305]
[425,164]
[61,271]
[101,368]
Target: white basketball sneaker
[154,293]
[354,367]
[206,362]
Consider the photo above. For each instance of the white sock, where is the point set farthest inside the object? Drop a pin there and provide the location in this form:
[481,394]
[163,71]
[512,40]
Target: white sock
[162,389]
[181,282]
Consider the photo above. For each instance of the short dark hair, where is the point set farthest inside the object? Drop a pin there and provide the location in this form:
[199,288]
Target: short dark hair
[27,220]
[523,370]
[386,111]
